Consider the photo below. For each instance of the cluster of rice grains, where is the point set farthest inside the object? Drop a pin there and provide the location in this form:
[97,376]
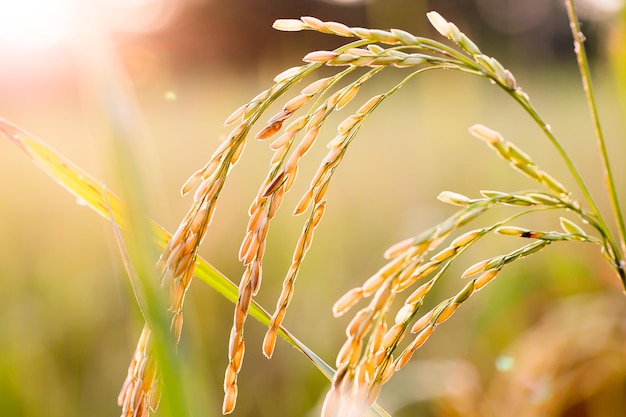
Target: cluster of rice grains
[366,361]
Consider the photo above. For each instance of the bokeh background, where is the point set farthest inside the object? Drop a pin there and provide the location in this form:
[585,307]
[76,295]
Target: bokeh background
[545,339]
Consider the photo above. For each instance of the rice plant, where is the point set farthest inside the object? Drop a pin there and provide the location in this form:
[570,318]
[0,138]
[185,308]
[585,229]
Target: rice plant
[391,324]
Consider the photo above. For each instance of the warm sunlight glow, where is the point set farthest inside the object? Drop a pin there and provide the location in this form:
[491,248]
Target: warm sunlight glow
[35,23]
[29,24]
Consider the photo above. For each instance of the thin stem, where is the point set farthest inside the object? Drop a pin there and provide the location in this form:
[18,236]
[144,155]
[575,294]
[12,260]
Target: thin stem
[599,223]
[583,65]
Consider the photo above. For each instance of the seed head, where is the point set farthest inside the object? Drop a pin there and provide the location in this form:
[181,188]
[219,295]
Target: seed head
[440,24]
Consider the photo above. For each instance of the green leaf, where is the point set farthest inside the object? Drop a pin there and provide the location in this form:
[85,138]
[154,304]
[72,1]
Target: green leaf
[95,195]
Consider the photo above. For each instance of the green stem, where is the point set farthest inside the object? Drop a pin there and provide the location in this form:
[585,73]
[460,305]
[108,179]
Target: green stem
[583,65]
[599,223]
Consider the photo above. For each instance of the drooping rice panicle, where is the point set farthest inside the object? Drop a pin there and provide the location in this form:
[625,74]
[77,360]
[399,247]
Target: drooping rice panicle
[267,202]
[377,363]
[141,391]
[413,259]
[475,61]
[315,195]
[178,258]
[517,158]
[490,66]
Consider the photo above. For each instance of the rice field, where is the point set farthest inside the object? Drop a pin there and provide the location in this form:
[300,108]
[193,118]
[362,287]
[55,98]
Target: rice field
[526,345]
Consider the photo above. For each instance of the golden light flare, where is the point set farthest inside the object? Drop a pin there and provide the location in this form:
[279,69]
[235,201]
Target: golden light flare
[28,25]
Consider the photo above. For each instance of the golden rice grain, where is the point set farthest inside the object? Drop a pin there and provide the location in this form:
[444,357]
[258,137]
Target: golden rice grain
[444,254]
[252,250]
[238,152]
[296,103]
[316,86]
[476,268]
[511,230]
[269,130]
[376,338]
[390,338]
[338,142]
[422,322]
[304,202]
[191,182]
[183,264]
[398,248]
[373,283]
[425,269]
[446,313]
[466,238]
[284,139]
[320,56]
[358,323]
[279,155]
[199,220]
[338,29]
[318,213]
[291,178]
[245,245]
[406,279]
[421,338]
[289,25]
[349,352]
[297,124]
[485,278]
[347,96]
[280,117]
[346,301]
[454,198]
[236,115]
[255,276]
[484,133]
[202,189]
[320,192]
[405,313]
[314,23]
[230,399]
[465,293]
[387,370]
[317,117]
[417,295]
[381,297]
[349,123]
[269,342]
[276,183]
[403,359]
[307,141]
[440,24]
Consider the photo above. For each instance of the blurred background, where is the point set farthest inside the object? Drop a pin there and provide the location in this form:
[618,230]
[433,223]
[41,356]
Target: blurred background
[545,339]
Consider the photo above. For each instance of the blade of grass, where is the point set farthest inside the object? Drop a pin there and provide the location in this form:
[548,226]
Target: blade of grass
[173,367]
[95,195]
[585,75]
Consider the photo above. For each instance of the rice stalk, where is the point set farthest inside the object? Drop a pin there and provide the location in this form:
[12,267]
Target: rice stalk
[369,356]
[365,365]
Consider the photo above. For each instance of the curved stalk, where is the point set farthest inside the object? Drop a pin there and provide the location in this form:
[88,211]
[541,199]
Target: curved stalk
[583,65]
[617,254]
